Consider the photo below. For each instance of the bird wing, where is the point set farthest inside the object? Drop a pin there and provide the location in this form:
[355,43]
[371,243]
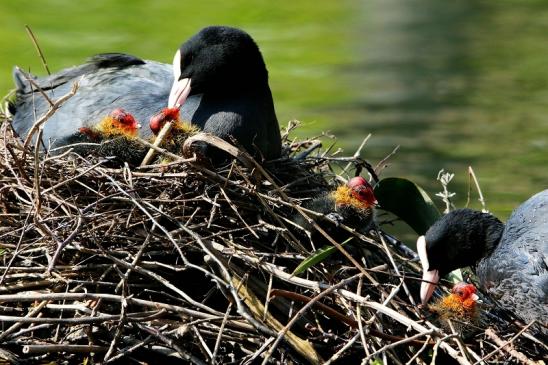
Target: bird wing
[517,271]
[104,60]
[106,82]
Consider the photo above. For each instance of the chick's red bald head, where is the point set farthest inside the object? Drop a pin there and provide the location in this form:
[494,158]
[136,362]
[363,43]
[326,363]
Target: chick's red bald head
[362,190]
[465,291]
[124,118]
[167,115]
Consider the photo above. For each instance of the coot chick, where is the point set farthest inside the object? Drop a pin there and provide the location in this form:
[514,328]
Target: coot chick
[226,92]
[460,307]
[118,123]
[511,261]
[114,136]
[351,204]
[177,135]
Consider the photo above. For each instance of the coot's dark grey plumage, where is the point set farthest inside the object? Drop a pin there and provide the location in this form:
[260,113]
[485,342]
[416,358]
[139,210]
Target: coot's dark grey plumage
[106,82]
[226,92]
[511,260]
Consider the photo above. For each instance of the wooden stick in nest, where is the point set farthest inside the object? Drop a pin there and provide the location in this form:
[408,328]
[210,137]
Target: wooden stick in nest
[507,346]
[44,118]
[159,139]
[244,157]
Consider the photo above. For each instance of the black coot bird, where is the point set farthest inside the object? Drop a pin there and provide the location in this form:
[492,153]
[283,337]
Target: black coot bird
[511,261]
[218,79]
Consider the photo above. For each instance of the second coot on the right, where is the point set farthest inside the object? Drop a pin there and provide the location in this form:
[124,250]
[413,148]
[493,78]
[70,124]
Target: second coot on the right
[511,260]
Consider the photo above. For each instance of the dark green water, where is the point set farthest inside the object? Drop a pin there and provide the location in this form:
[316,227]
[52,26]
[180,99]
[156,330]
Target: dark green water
[454,83]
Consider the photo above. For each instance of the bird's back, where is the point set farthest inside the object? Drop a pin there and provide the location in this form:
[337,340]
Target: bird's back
[106,82]
[516,273]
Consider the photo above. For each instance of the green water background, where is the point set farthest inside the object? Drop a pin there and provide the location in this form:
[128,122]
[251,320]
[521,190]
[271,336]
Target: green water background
[453,83]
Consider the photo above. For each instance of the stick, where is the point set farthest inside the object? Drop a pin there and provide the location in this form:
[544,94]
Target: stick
[502,345]
[357,153]
[45,349]
[38,49]
[56,105]
[472,176]
[159,139]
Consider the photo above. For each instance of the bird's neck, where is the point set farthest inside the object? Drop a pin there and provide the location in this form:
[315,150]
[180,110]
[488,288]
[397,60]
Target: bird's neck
[493,235]
[254,89]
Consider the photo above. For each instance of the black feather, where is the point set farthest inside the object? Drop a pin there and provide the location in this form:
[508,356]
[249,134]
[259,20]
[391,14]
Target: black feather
[461,238]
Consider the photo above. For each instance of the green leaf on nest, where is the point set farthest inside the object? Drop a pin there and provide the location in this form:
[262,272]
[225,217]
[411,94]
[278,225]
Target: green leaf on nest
[408,201]
[318,256]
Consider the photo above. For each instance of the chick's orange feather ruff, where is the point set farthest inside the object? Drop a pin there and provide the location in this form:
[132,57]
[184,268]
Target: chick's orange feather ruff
[456,305]
[343,196]
[460,304]
[111,127]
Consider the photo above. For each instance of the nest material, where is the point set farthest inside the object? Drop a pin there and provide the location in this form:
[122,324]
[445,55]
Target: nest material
[186,262]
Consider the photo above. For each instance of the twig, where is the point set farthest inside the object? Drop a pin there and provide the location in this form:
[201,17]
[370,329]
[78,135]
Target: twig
[503,345]
[359,315]
[398,343]
[71,349]
[306,307]
[142,317]
[219,336]
[417,354]
[38,49]
[381,165]
[389,254]
[168,341]
[35,86]
[27,297]
[44,118]
[238,214]
[159,139]
[62,245]
[342,350]
[339,316]
[357,153]
[304,348]
[472,176]
[458,340]
[36,310]
[203,344]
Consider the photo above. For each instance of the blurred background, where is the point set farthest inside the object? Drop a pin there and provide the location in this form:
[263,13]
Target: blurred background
[453,83]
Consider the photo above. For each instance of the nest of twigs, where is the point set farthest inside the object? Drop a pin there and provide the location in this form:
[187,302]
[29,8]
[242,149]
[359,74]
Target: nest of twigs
[187,263]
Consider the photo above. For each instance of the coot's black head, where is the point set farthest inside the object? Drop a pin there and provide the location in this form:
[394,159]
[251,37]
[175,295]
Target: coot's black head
[458,239]
[217,59]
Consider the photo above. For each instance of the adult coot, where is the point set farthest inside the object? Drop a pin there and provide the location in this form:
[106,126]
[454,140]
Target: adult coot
[225,92]
[511,261]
